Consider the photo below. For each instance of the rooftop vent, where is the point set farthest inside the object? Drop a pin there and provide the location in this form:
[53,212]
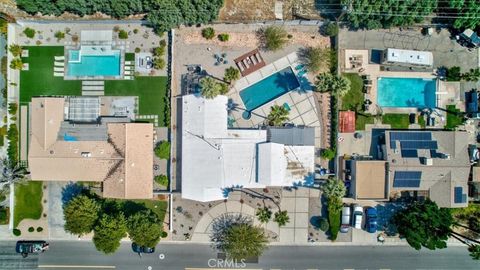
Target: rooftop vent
[86,154]
[427,161]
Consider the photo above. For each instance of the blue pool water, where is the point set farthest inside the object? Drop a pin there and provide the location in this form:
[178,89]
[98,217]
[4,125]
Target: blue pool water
[269,88]
[94,65]
[406,92]
[69,138]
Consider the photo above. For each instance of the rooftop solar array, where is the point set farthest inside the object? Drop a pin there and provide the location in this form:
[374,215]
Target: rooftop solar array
[459,197]
[410,142]
[84,109]
[407,179]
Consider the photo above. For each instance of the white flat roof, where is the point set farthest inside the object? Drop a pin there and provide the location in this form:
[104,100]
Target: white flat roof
[410,57]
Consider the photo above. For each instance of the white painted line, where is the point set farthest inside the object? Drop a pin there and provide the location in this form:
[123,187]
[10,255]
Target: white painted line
[220,269]
[77,266]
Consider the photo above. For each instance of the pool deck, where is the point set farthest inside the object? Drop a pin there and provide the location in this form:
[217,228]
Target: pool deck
[302,103]
[373,70]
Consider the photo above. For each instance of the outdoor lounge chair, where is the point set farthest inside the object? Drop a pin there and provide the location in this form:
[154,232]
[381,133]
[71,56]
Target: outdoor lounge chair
[129,63]
[128,68]
[127,72]
[128,77]
[59,64]
[58,69]
[59,58]
[58,74]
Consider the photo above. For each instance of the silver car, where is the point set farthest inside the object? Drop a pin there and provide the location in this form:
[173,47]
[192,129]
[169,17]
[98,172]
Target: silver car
[357,216]
[346,211]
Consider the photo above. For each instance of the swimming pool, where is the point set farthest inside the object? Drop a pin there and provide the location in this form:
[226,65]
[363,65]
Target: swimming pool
[269,88]
[93,65]
[406,92]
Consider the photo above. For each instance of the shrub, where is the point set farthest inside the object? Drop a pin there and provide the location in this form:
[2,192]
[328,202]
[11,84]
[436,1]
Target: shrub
[15,49]
[164,234]
[328,154]
[137,50]
[12,108]
[159,51]
[274,37]
[75,38]
[159,63]
[162,180]
[331,29]
[453,74]
[4,215]
[31,229]
[122,34]
[163,43]
[231,74]
[208,33]
[38,42]
[116,28]
[162,150]
[39,229]
[29,32]
[16,63]
[17,232]
[289,36]
[333,208]
[59,35]
[135,31]
[324,225]
[223,37]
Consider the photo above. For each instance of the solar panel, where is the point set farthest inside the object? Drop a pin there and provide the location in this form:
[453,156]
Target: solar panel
[409,179]
[432,145]
[413,140]
[459,197]
[409,153]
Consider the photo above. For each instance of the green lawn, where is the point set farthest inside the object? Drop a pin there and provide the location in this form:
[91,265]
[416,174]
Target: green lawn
[362,119]
[158,207]
[28,201]
[39,79]
[151,92]
[353,100]
[421,121]
[454,117]
[396,120]
[130,207]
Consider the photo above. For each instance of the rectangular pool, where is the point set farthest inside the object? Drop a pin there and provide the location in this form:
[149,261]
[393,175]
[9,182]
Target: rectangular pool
[269,88]
[93,65]
[406,92]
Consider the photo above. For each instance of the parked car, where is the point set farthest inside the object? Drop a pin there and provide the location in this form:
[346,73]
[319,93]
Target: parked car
[142,249]
[27,247]
[371,220]
[346,211]
[357,216]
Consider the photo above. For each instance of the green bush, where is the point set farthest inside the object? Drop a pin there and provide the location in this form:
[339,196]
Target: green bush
[159,51]
[137,50]
[274,37]
[334,207]
[223,37]
[17,232]
[159,63]
[328,154]
[16,63]
[12,108]
[162,150]
[331,29]
[29,32]
[135,31]
[39,229]
[31,229]
[162,180]
[163,43]
[122,34]
[12,136]
[324,226]
[4,212]
[59,35]
[164,234]
[453,74]
[16,50]
[208,33]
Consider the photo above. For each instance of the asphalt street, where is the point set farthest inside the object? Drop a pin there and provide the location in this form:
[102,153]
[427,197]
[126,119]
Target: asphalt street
[82,255]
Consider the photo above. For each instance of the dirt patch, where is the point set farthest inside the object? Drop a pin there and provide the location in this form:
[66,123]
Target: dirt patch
[247,10]
[250,39]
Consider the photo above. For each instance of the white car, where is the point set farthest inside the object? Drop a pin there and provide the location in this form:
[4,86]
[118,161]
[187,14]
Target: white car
[346,211]
[357,216]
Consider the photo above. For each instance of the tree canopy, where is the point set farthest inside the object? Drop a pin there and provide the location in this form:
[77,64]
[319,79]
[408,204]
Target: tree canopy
[336,84]
[210,87]
[424,224]
[108,233]
[161,14]
[245,241]
[144,228]
[334,188]
[80,214]
[373,14]
[278,115]
[466,13]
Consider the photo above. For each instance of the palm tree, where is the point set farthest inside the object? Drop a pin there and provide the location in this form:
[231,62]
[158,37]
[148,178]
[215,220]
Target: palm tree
[281,218]
[231,74]
[341,85]
[210,88]
[336,84]
[334,188]
[474,251]
[264,214]
[278,116]
[11,174]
